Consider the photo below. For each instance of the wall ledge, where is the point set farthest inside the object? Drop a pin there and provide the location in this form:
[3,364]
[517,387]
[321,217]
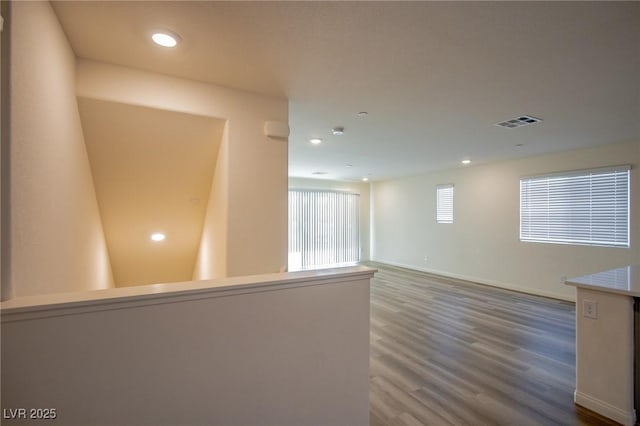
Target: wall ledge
[60,304]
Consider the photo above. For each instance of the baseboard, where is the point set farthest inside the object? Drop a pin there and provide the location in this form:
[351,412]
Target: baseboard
[505,286]
[605,409]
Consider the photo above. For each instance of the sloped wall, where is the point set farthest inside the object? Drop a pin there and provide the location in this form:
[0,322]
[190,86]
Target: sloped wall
[212,256]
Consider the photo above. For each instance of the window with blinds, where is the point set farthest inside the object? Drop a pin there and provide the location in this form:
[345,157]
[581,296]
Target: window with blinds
[324,229]
[589,207]
[444,203]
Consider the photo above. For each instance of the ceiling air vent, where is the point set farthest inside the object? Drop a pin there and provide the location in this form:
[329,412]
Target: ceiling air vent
[523,120]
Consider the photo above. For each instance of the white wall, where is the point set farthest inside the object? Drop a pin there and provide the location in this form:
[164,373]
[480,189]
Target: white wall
[278,349]
[483,242]
[56,238]
[354,187]
[256,174]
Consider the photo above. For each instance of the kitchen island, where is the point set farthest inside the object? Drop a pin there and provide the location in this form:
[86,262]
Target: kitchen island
[607,342]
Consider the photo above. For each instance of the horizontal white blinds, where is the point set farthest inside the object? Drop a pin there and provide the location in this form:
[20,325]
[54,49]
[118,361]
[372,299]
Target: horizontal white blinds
[444,204]
[587,207]
[323,229]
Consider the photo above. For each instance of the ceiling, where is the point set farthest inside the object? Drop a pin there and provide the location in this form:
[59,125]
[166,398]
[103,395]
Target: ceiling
[434,76]
[152,171]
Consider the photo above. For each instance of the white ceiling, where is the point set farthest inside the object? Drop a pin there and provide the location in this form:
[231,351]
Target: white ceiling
[152,171]
[434,76]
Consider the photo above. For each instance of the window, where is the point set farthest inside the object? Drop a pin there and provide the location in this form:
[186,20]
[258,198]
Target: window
[589,207]
[323,229]
[444,205]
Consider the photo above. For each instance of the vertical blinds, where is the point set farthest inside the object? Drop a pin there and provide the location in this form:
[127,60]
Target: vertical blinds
[589,207]
[323,229]
[444,203]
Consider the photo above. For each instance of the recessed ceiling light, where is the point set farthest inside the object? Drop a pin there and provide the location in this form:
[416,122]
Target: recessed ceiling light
[315,141]
[363,114]
[319,173]
[365,179]
[158,236]
[165,39]
[338,131]
[466,161]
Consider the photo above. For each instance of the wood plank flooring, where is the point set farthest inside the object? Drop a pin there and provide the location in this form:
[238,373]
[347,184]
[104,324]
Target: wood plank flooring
[447,352]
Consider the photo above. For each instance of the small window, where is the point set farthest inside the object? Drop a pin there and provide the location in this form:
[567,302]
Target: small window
[588,207]
[444,209]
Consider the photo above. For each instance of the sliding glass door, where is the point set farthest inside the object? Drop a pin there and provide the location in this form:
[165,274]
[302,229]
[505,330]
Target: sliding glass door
[323,229]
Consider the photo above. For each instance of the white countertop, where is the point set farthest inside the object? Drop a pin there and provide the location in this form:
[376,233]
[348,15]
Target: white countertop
[625,280]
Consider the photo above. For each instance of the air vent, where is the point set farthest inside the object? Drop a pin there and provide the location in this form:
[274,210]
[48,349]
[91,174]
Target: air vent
[523,120]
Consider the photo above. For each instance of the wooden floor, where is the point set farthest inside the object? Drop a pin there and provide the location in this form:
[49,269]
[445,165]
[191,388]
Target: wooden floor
[446,352]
